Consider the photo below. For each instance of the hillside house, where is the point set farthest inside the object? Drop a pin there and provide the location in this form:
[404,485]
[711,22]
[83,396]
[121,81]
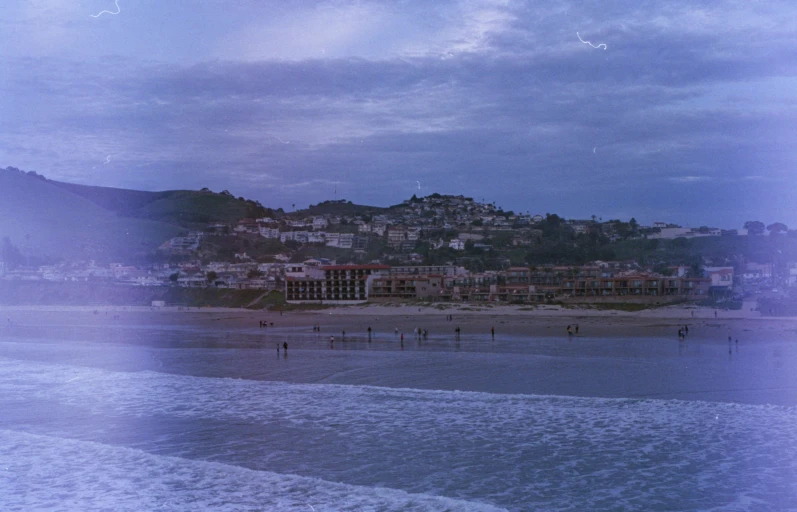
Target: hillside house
[270,233]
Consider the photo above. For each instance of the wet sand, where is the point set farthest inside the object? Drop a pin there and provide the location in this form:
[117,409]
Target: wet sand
[547,321]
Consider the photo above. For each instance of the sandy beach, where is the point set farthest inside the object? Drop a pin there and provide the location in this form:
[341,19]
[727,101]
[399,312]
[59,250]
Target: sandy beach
[704,323]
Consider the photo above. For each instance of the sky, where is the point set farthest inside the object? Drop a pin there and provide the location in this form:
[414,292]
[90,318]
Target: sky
[678,111]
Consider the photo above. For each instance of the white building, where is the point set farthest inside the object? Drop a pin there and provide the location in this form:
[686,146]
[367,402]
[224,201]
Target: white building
[269,232]
[721,277]
[316,238]
[298,236]
[346,240]
[457,244]
[301,223]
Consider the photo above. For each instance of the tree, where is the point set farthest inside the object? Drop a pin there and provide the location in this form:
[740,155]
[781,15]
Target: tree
[777,228]
[754,227]
[211,276]
[695,269]
[174,277]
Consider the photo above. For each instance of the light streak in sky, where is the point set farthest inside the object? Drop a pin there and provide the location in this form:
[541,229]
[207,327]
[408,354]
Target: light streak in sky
[283,141]
[587,42]
[118,10]
[107,160]
[419,184]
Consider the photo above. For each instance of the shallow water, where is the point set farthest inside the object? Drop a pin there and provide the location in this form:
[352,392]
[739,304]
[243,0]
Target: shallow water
[154,418]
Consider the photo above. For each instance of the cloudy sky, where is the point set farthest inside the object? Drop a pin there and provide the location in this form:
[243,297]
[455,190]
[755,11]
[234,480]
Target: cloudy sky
[682,111]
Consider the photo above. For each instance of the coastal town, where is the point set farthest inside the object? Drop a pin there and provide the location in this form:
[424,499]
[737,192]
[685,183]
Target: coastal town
[435,248]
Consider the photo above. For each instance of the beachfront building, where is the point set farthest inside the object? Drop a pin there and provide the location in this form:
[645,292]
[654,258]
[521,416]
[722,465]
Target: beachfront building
[348,284]
[590,283]
[406,287]
[721,279]
[331,284]
[443,270]
[518,275]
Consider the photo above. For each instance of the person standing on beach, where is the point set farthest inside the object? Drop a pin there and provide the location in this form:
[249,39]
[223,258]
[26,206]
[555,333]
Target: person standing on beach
[492,331]
[285,347]
[569,330]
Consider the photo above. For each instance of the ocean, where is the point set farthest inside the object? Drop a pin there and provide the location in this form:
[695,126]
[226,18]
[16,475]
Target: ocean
[153,417]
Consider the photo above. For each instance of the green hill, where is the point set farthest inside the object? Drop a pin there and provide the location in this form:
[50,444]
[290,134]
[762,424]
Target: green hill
[342,207]
[45,220]
[186,208]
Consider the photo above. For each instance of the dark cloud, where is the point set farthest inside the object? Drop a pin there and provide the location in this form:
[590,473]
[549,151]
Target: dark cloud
[676,120]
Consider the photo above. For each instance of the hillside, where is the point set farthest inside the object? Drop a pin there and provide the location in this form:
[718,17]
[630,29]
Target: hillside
[48,221]
[341,208]
[186,208]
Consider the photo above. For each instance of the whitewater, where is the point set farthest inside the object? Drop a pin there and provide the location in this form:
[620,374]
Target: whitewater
[146,418]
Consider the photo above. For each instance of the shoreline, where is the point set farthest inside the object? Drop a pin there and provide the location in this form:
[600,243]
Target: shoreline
[546,321]
[678,312]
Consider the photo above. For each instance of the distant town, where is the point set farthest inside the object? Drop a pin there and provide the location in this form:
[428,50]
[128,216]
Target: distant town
[446,248]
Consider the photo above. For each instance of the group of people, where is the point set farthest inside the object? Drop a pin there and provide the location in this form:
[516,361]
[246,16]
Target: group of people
[683,331]
[572,329]
[264,323]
